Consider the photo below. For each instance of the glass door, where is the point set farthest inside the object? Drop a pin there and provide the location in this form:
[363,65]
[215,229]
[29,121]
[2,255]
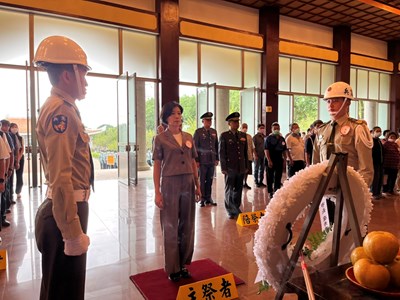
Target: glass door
[250,109]
[127,148]
[202,102]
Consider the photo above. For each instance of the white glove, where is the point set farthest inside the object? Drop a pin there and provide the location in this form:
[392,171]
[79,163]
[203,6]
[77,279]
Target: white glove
[77,246]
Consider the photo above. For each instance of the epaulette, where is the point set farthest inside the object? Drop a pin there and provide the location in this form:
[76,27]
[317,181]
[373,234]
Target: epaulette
[358,122]
[324,124]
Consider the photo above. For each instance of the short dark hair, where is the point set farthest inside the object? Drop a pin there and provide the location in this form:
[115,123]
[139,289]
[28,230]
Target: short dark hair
[275,124]
[54,71]
[260,125]
[317,122]
[375,128]
[5,122]
[292,124]
[391,133]
[167,111]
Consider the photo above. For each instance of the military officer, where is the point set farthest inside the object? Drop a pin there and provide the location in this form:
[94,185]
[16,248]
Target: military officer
[61,220]
[344,134]
[206,142]
[234,160]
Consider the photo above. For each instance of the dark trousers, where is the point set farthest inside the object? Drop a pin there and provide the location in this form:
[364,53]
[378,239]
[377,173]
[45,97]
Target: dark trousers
[376,187]
[391,180]
[63,277]
[206,180]
[259,168]
[11,189]
[233,192]
[274,175]
[19,176]
[297,166]
[5,198]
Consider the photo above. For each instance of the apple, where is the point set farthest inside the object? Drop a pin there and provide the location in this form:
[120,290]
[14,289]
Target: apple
[381,246]
[371,274]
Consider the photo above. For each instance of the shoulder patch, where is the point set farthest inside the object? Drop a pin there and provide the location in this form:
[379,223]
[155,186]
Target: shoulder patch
[359,122]
[60,123]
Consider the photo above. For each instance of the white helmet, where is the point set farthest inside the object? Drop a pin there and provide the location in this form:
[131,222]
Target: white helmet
[339,89]
[60,50]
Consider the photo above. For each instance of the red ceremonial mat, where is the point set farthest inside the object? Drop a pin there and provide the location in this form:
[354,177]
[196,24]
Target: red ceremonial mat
[155,285]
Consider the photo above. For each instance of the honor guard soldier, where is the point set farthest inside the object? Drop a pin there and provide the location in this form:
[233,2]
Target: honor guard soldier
[234,159]
[61,220]
[344,134]
[206,142]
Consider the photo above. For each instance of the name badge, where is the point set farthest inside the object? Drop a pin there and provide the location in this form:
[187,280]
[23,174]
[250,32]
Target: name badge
[345,130]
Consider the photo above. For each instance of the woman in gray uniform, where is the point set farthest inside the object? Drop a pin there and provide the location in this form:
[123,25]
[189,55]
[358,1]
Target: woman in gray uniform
[177,189]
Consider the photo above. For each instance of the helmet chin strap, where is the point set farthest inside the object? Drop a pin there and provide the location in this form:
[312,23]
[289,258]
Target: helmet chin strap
[81,94]
[336,112]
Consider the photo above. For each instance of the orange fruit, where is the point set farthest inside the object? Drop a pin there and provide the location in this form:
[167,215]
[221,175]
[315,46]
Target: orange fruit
[371,274]
[394,270]
[381,246]
[357,253]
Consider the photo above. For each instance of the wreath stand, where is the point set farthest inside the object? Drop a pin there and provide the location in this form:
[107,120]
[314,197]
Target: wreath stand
[343,195]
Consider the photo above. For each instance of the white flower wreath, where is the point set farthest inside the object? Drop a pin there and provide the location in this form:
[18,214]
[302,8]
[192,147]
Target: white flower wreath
[288,205]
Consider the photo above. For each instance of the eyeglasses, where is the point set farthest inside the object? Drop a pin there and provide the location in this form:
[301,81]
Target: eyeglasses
[333,100]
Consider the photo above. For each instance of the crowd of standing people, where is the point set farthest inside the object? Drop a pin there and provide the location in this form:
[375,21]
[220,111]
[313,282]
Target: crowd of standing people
[11,168]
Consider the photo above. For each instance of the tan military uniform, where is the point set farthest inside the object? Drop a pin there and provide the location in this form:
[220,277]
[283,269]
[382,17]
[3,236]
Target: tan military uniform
[351,136]
[65,154]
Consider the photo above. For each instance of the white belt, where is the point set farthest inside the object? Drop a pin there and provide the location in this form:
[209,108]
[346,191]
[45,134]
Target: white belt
[79,195]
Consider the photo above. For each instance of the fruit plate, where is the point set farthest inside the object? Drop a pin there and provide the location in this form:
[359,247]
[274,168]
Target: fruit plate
[390,292]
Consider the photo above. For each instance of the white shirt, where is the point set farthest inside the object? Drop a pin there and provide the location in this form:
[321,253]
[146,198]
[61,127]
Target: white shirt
[295,144]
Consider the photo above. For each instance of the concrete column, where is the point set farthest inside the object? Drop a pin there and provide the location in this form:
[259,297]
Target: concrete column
[222,110]
[141,125]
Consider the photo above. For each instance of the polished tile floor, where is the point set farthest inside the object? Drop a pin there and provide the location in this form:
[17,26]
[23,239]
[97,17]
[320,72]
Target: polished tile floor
[126,239]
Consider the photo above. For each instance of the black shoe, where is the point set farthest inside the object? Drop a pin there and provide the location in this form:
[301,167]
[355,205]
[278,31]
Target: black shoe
[8,211]
[246,186]
[262,184]
[211,202]
[175,277]
[185,273]
[13,202]
[258,185]
[271,194]
[202,204]
[5,223]
[231,217]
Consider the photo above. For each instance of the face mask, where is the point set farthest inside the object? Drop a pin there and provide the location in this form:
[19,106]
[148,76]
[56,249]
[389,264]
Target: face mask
[377,134]
[14,130]
[297,131]
[276,132]
[391,140]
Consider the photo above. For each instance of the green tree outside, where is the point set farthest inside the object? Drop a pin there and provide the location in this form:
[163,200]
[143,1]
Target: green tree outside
[305,111]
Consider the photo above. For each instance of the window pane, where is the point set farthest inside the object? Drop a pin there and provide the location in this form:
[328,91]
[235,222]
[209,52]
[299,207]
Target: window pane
[140,54]
[298,76]
[323,111]
[187,98]
[313,78]
[305,111]
[373,85]
[14,38]
[383,115]
[221,65]
[353,81]
[13,93]
[354,111]
[252,69]
[187,61]
[328,76]
[284,74]
[284,114]
[384,89]
[369,112]
[100,43]
[362,84]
